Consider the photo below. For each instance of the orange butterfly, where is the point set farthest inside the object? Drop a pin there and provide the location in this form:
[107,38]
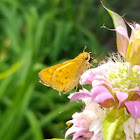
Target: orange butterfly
[64,77]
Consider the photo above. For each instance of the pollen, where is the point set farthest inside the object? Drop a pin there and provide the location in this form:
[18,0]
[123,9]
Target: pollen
[120,77]
[119,74]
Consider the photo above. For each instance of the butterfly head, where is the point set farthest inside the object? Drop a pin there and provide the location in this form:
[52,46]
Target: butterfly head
[85,56]
[88,56]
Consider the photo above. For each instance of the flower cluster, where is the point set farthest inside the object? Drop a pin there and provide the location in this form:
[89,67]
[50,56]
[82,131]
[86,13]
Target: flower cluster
[112,105]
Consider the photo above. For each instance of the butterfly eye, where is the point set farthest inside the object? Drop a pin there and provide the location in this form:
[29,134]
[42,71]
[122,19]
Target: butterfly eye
[90,60]
[86,58]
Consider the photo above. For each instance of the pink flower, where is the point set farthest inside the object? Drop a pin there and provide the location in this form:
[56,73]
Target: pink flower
[87,124]
[134,108]
[109,90]
[112,105]
[128,47]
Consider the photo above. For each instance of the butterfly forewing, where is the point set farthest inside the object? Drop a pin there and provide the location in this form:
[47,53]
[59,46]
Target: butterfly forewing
[47,74]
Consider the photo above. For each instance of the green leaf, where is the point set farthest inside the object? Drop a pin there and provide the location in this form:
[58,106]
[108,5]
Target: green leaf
[36,129]
[54,139]
[112,123]
[10,71]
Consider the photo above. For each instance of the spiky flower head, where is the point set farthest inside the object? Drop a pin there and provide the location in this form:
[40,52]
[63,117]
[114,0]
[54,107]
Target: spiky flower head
[112,105]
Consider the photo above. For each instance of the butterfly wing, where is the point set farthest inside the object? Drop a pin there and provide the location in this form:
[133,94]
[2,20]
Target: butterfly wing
[67,76]
[46,75]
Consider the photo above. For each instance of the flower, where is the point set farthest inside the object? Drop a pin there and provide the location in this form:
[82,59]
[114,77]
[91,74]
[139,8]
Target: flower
[115,92]
[88,123]
[133,54]
[112,105]
[128,47]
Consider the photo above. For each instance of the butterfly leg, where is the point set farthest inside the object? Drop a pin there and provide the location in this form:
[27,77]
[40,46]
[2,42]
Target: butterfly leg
[82,87]
[59,93]
[91,66]
[76,88]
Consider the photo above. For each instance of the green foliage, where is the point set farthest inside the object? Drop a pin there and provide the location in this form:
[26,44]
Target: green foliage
[55,139]
[112,125]
[34,35]
[10,70]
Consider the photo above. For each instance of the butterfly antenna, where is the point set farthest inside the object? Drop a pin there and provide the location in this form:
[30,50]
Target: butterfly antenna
[84,48]
[92,54]
[95,52]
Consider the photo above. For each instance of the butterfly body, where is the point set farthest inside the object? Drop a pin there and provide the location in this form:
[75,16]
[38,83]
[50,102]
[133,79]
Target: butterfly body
[64,77]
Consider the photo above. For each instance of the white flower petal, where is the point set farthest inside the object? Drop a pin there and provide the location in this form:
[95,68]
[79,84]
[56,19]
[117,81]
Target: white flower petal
[70,131]
[96,125]
[128,127]
[98,136]
[137,127]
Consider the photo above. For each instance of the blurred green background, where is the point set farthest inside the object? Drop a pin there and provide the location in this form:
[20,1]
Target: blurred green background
[35,34]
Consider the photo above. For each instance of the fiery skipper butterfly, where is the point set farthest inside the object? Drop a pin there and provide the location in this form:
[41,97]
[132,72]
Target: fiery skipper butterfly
[64,77]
